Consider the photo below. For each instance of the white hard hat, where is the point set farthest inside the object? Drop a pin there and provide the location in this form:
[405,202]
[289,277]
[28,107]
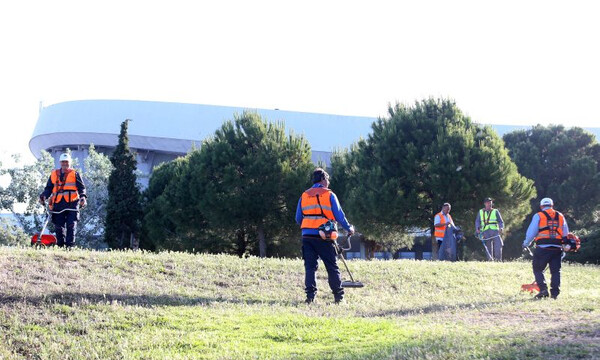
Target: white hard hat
[65,157]
[546,202]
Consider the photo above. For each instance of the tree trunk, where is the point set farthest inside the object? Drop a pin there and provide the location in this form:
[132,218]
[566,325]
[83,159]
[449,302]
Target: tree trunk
[241,242]
[262,242]
[134,242]
[434,244]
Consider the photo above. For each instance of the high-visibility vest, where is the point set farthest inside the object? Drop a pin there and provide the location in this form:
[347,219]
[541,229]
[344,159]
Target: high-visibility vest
[489,223]
[441,230]
[65,189]
[550,228]
[316,207]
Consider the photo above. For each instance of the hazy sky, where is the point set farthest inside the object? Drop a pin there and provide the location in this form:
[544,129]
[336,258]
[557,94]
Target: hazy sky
[504,62]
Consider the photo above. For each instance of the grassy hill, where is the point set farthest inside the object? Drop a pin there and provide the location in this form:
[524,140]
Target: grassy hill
[78,304]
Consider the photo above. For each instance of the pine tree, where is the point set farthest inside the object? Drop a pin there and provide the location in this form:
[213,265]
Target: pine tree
[246,181]
[397,179]
[123,210]
[565,166]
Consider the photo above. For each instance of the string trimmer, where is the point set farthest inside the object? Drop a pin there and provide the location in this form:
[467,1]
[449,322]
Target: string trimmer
[533,286]
[40,239]
[480,236]
[339,250]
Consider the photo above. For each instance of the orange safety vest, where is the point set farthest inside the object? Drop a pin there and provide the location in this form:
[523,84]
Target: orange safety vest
[550,228]
[316,207]
[66,189]
[441,230]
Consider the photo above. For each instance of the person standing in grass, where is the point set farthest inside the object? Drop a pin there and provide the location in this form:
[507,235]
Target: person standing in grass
[489,226]
[66,193]
[548,228]
[317,206]
[441,221]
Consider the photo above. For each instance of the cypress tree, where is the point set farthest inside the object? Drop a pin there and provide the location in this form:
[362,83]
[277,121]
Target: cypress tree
[123,210]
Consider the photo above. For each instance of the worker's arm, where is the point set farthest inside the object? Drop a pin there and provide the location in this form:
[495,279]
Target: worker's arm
[532,230]
[437,221]
[478,222]
[500,221]
[47,190]
[565,227]
[299,215]
[81,190]
[339,215]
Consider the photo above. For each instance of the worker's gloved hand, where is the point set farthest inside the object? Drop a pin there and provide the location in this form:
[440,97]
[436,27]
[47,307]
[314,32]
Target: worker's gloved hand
[351,231]
[82,202]
[42,200]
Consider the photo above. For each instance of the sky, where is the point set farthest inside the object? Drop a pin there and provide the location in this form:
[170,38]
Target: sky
[503,62]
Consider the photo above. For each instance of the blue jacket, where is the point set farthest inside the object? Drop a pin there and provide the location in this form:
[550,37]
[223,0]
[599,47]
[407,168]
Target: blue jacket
[336,208]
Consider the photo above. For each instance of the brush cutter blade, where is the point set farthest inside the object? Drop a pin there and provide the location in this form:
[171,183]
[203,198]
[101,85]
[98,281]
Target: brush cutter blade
[352,284]
[46,240]
[530,287]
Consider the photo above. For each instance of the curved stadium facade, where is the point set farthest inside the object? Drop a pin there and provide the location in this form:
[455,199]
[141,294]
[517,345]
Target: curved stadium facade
[161,131]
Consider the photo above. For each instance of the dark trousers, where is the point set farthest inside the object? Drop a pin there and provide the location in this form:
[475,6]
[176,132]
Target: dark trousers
[65,221]
[543,257]
[312,250]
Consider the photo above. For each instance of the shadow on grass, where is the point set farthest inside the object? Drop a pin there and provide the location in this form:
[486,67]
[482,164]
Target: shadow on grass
[571,340]
[444,308]
[143,300]
[70,298]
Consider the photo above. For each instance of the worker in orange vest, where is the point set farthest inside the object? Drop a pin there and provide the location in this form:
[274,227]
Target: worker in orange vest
[66,194]
[548,228]
[441,221]
[316,207]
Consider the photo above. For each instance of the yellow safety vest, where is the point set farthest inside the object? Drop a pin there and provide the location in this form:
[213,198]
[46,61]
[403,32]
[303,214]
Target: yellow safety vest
[489,223]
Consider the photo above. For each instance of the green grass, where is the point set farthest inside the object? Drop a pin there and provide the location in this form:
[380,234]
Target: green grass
[78,304]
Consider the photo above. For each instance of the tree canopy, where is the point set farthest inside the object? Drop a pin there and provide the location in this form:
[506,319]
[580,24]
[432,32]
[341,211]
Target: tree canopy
[97,170]
[172,221]
[27,182]
[241,186]
[565,166]
[419,157]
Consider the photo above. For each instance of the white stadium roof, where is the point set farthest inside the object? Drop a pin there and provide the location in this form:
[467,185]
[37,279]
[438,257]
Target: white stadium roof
[175,127]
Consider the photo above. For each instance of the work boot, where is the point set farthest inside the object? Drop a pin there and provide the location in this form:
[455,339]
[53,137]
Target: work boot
[542,294]
[309,300]
[553,296]
[339,300]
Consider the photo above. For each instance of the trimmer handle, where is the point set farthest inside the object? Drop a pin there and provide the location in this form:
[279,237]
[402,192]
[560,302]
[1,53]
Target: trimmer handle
[347,243]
